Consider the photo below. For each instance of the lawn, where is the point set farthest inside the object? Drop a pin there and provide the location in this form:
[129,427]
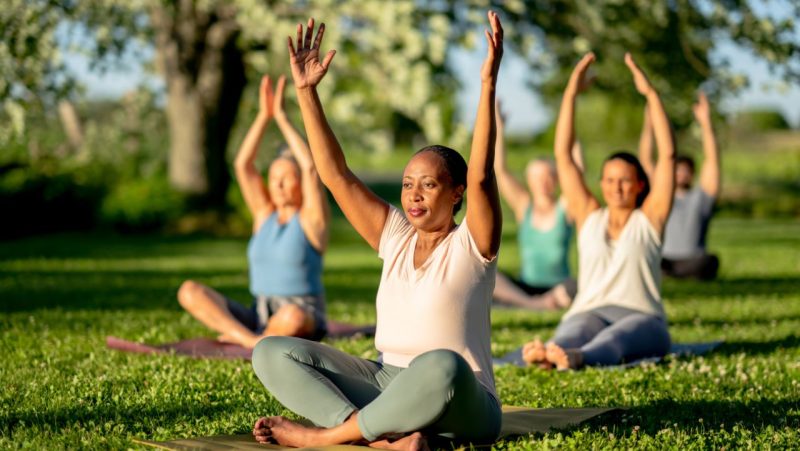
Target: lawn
[62,294]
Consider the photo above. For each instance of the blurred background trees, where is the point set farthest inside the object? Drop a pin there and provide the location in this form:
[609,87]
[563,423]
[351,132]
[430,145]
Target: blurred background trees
[143,160]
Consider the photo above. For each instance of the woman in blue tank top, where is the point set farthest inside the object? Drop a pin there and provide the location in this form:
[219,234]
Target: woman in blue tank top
[544,234]
[290,234]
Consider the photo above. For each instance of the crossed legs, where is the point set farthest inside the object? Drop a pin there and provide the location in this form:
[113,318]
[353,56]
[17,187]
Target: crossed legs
[211,308]
[353,399]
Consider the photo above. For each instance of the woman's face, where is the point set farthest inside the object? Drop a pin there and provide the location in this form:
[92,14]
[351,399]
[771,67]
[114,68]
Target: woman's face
[284,184]
[620,184]
[427,195]
[542,179]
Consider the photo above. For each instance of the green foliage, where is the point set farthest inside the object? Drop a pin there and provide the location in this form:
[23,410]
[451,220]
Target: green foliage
[755,121]
[62,390]
[141,205]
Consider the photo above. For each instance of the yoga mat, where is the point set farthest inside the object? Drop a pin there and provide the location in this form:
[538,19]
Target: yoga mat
[677,350]
[516,421]
[211,348]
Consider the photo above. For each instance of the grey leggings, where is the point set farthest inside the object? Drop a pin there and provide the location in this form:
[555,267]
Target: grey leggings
[612,335]
[438,393]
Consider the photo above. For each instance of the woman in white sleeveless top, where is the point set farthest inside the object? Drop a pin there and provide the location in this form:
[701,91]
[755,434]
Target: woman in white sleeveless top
[617,314]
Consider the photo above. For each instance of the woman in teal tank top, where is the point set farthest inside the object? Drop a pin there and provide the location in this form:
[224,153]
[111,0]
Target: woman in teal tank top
[544,234]
[290,234]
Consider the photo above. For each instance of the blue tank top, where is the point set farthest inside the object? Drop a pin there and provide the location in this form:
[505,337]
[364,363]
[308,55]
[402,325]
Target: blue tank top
[544,254]
[282,261]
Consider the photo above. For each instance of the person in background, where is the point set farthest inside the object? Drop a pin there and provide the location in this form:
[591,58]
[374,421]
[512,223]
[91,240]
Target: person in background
[290,234]
[684,252]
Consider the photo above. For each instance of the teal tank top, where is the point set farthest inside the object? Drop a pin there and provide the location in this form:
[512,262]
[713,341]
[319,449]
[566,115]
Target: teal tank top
[544,254]
[282,261]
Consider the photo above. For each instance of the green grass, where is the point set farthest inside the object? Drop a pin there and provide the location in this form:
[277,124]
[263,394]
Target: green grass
[61,295]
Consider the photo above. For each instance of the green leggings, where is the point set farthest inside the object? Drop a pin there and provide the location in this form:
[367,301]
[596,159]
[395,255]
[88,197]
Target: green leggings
[437,394]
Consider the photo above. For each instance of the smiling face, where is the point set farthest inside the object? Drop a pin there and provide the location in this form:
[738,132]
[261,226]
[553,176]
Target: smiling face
[428,195]
[542,179]
[620,184]
[284,183]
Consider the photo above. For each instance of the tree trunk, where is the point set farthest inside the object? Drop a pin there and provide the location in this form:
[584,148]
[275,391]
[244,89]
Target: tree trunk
[205,77]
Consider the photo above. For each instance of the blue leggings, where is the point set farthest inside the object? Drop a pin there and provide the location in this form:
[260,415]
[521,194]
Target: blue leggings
[438,393]
[612,335]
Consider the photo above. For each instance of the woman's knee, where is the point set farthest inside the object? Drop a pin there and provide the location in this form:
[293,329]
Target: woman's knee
[188,293]
[442,368]
[269,353]
[291,320]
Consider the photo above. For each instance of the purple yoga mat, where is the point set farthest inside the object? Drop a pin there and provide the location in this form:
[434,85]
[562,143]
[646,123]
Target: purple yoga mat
[210,348]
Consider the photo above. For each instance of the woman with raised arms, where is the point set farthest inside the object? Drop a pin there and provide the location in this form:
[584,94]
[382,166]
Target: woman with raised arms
[433,303]
[617,314]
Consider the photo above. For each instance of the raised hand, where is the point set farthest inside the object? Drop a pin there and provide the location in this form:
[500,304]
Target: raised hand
[277,99]
[491,65]
[307,69]
[639,78]
[580,78]
[701,109]
[265,98]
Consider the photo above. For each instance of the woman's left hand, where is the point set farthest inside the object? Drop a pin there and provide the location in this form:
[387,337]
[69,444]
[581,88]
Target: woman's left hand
[639,78]
[277,98]
[495,53]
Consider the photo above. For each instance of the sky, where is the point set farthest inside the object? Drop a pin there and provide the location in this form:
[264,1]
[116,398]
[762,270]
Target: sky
[525,112]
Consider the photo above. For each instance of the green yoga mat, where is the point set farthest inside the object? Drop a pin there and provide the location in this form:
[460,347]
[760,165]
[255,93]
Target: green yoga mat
[516,421]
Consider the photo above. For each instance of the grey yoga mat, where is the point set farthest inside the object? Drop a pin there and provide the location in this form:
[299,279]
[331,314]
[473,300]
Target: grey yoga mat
[678,350]
[516,421]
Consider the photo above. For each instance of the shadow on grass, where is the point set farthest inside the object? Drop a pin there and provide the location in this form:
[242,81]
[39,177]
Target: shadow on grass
[756,286]
[144,290]
[696,415]
[758,347]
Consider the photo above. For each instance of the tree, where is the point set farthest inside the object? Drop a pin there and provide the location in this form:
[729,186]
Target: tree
[206,48]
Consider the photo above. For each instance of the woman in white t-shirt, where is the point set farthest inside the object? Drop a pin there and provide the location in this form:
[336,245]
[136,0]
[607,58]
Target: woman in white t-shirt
[433,303]
[617,314]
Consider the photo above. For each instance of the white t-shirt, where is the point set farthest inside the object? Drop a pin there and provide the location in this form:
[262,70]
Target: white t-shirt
[443,304]
[625,272]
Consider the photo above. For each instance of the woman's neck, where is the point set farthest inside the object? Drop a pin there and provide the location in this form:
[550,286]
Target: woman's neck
[285,213]
[431,238]
[544,203]
[618,217]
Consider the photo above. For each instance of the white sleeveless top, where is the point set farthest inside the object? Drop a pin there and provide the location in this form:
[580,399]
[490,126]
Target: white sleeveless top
[443,304]
[625,272]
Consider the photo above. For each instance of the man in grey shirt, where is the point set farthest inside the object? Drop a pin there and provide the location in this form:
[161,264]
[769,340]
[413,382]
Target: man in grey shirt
[684,250]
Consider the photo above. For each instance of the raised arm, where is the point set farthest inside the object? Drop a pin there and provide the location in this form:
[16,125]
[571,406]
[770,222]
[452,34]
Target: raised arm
[484,217]
[251,183]
[659,202]
[710,172]
[365,211]
[511,189]
[315,212]
[579,200]
[646,145]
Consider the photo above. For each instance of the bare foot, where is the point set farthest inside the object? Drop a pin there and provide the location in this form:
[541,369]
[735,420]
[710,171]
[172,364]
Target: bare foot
[411,442]
[286,432]
[534,353]
[261,432]
[561,296]
[564,359]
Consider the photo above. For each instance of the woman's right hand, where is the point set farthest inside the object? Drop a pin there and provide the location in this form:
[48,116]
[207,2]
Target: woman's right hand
[580,78]
[266,98]
[307,69]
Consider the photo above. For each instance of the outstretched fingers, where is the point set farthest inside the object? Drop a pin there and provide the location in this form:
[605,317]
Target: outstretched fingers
[309,34]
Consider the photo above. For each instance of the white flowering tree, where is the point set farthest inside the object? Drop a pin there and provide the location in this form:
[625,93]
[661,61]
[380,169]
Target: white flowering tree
[394,75]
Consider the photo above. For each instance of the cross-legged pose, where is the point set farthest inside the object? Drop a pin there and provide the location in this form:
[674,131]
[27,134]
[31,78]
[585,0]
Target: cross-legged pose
[617,314]
[433,302]
[685,234]
[290,233]
[544,233]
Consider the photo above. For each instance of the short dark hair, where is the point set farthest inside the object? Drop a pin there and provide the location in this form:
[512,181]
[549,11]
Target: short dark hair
[685,159]
[631,159]
[455,165]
